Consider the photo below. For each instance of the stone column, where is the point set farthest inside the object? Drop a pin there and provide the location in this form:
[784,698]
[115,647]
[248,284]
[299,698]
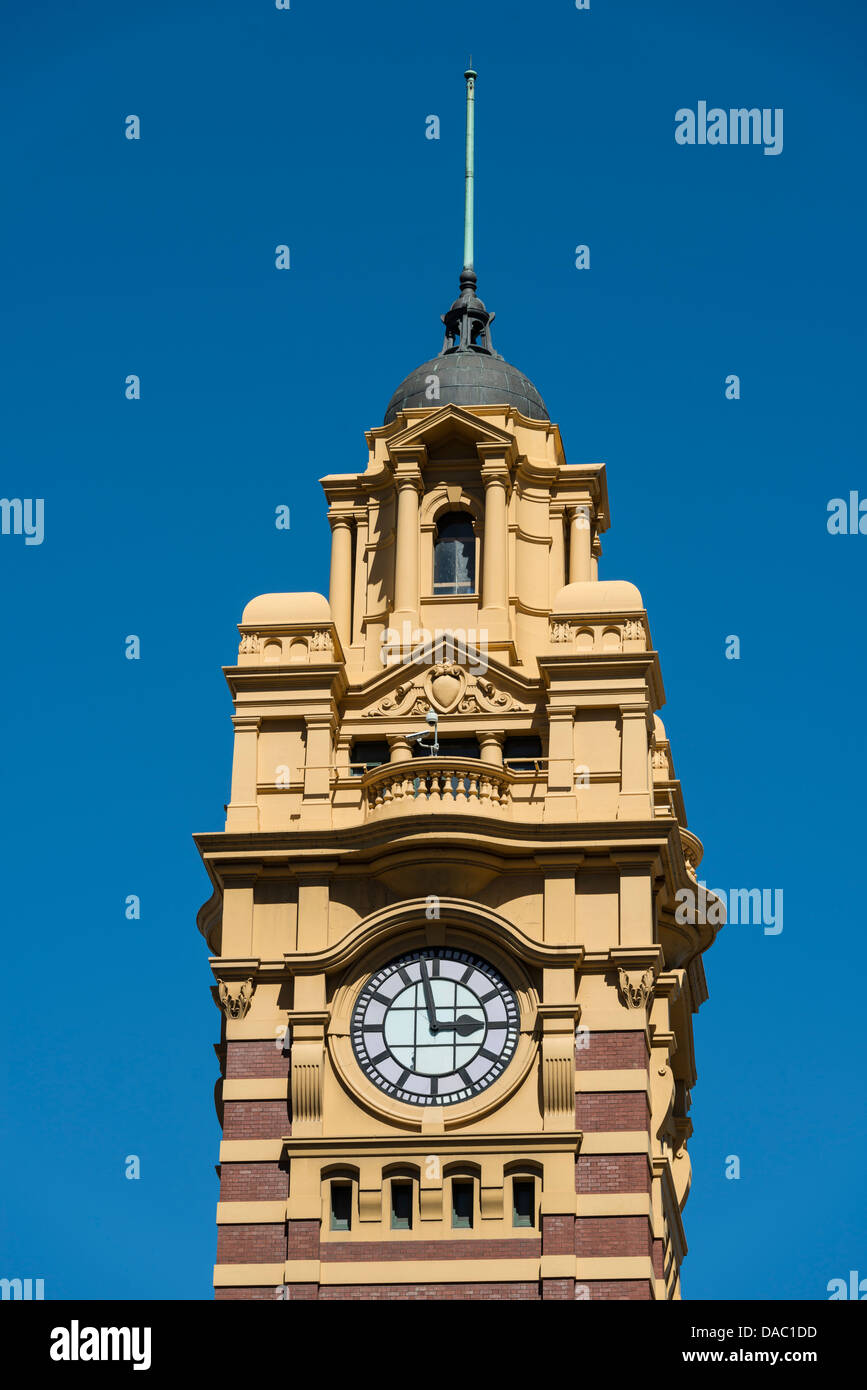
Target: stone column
[496,541]
[342,754]
[596,551]
[238,914]
[559,908]
[580,539]
[491,746]
[406,550]
[399,748]
[340,588]
[359,605]
[634,802]
[558,551]
[308,1018]
[560,799]
[242,812]
[636,925]
[316,804]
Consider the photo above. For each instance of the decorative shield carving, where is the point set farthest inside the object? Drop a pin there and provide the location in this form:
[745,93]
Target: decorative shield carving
[445,685]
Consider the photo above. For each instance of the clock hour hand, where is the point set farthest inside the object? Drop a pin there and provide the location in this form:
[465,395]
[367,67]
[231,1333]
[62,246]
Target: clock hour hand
[464,1026]
[428,997]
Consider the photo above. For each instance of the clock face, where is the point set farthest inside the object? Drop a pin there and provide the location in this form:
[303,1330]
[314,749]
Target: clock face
[435,1027]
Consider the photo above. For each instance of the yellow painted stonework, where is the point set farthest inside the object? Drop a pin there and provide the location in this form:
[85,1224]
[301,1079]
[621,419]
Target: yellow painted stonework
[560,871]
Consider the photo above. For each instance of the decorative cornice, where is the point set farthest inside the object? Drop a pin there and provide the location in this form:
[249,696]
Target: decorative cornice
[385,1145]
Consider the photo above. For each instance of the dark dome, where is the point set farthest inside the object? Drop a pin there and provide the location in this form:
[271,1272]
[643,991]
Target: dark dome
[467,377]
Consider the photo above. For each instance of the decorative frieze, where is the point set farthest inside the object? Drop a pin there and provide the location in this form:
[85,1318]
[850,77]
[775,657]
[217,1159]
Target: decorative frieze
[291,645]
[660,760]
[604,634]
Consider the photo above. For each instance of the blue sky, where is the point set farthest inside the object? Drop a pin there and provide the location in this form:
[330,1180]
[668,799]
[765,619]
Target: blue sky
[156,257]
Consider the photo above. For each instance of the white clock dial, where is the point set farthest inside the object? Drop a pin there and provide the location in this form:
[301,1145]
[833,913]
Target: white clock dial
[435,1027]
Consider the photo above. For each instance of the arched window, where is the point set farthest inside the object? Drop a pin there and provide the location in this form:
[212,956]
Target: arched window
[455,555]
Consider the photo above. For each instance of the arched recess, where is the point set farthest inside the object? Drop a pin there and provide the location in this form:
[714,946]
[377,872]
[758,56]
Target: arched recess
[523,1180]
[403,928]
[437,504]
[339,1184]
[462,1180]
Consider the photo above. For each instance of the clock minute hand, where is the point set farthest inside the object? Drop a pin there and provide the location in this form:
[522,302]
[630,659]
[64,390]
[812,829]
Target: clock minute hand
[428,998]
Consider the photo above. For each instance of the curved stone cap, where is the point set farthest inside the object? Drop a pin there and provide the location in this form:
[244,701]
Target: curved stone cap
[468,378]
[277,609]
[599,596]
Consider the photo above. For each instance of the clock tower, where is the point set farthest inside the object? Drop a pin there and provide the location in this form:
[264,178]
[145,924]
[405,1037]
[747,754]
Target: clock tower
[456,1051]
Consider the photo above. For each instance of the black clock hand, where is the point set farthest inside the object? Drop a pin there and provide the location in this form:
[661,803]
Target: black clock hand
[428,998]
[463,1027]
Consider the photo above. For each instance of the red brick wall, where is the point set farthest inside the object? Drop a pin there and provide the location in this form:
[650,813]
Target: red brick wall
[612,1173]
[255,1119]
[558,1235]
[528,1293]
[253,1182]
[254,1058]
[251,1245]
[517,1249]
[303,1240]
[619,1290]
[600,1237]
[614,1290]
[612,1052]
[558,1289]
[615,1110]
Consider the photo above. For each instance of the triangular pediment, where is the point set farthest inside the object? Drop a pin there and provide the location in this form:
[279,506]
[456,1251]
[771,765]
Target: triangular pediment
[463,682]
[450,422]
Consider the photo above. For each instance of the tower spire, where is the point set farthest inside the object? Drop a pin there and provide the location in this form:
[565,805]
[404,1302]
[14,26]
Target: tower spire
[468,321]
[470,76]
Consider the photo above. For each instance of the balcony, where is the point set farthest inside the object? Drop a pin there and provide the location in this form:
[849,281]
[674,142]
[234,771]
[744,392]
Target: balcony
[442,783]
